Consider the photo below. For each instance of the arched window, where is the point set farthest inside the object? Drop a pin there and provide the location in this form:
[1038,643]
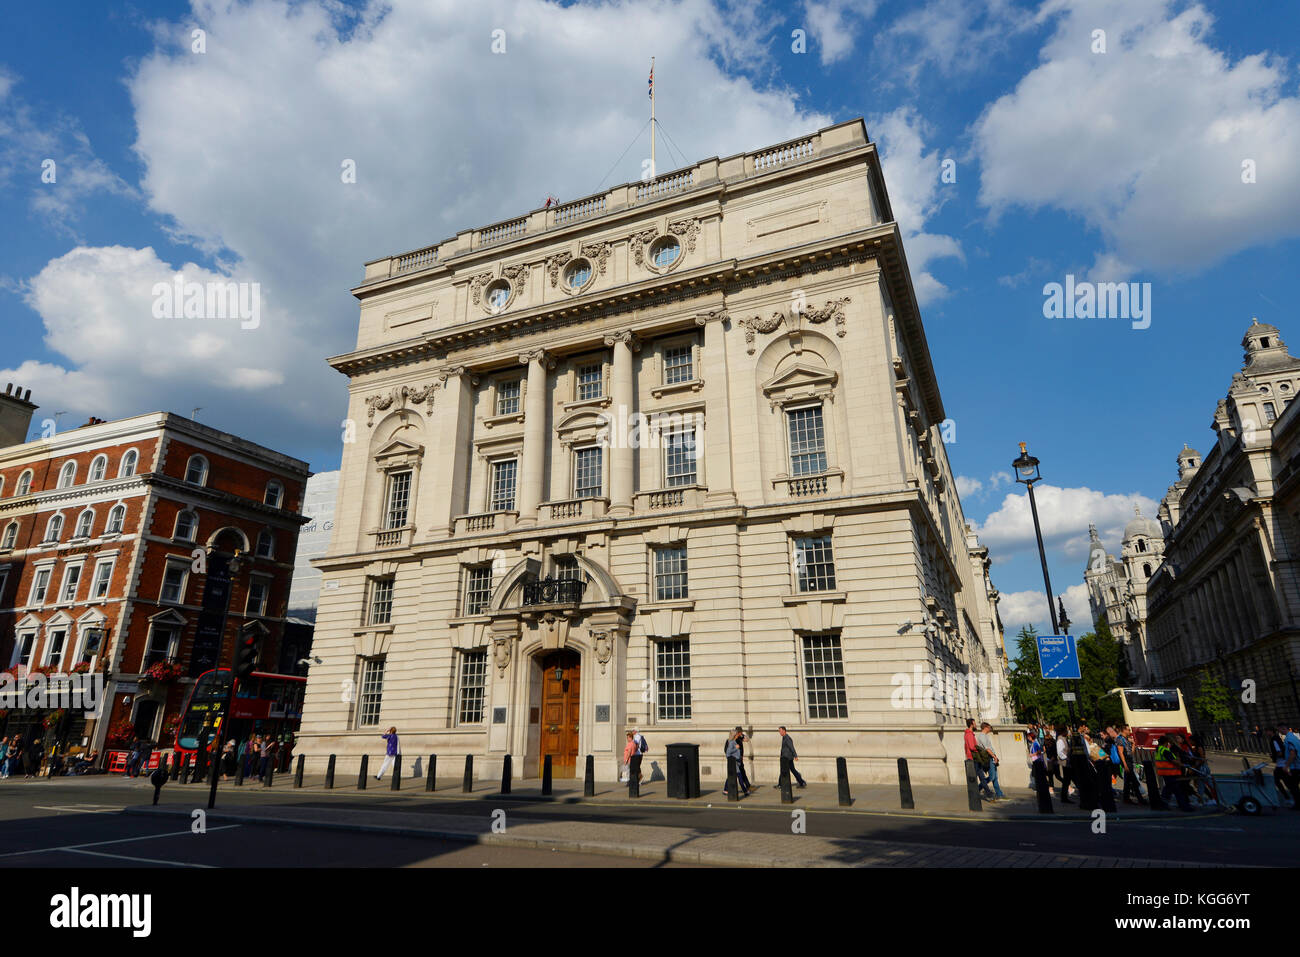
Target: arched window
[11,535]
[98,468]
[68,475]
[187,526]
[85,523]
[274,494]
[129,461]
[1113,596]
[1146,571]
[265,544]
[115,519]
[196,470]
[54,528]
[1142,545]
[24,483]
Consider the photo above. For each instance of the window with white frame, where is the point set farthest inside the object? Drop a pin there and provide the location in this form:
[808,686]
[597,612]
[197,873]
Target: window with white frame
[98,468]
[173,589]
[265,544]
[508,397]
[258,590]
[807,440]
[678,364]
[162,645]
[372,692]
[673,680]
[187,525]
[129,462]
[814,562]
[68,475]
[103,578]
[11,536]
[566,568]
[2,486]
[587,472]
[115,520]
[670,573]
[23,649]
[473,687]
[24,483]
[54,528]
[590,381]
[505,480]
[823,676]
[92,640]
[274,494]
[4,581]
[85,524]
[381,601]
[679,458]
[398,500]
[196,470]
[56,645]
[478,589]
[71,579]
[40,585]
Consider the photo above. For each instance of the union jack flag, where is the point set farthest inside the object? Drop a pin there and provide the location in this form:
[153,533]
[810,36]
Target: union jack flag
[652,83]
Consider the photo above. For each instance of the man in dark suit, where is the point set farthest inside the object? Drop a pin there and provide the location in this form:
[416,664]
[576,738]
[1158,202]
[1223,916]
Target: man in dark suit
[789,756]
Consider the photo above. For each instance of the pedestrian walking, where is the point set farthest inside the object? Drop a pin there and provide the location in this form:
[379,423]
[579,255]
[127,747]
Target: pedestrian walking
[1132,784]
[973,750]
[32,759]
[1063,762]
[392,752]
[267,765]
[733,750]
[228,761]
[985,740]
[638,752]
[1291,762]
[1169,768]
[628,749]
[788,757]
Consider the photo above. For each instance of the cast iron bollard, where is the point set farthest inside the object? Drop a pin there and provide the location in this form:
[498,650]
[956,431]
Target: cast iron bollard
[787,794]
[1106,794]
[239,772]
[1084,773]
[270,773]
[1156,802]
[297,775]
[546,775]
[731,787]
[589,780]
[972,788]
[396,783]
[329,773]
[365,772]
[505,774]
[842,778]
[633,784]
[176,765]
[467,784]
[201,761]
[905,800]
[185,771]
[431,780]
[1042,786]
[158,779]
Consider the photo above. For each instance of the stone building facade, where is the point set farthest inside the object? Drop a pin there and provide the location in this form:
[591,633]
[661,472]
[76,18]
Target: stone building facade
[670,457]
[1117,589]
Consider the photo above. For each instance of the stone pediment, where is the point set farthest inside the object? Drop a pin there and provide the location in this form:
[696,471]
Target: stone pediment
[398,452]
[801,381]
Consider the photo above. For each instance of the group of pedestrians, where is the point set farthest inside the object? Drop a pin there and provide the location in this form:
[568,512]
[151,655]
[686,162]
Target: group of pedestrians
[256,753]
[14,757]
[1284,749]
[1108,757]
[735,748]
[979,749]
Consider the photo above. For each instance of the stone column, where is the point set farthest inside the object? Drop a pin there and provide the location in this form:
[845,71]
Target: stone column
[717,417]
[534,465]
[621,457]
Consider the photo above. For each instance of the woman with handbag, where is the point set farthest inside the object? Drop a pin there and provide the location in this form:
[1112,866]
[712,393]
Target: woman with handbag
[628,750]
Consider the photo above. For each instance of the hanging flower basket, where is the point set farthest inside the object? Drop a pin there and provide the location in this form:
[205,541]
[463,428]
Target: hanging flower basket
[81,669]
[52,718]
[161,672]
[121,734]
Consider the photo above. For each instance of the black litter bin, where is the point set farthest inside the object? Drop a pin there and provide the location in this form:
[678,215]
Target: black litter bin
[684,770]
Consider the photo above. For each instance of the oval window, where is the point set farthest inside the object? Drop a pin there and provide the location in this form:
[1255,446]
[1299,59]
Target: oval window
[498,294]
[665,251]
[577,275]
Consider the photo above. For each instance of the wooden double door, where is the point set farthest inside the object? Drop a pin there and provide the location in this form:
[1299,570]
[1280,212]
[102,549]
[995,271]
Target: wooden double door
[559,712]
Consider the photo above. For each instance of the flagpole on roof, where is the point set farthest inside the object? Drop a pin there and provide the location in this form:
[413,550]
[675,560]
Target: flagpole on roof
[652,119]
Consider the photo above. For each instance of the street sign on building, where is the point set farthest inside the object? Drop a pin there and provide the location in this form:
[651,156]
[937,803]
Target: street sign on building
[1058,657]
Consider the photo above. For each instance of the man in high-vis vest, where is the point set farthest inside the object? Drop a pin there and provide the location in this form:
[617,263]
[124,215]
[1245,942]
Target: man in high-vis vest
[1169,768]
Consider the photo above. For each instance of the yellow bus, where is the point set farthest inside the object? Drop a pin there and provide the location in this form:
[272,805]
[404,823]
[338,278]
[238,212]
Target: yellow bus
[1153,713]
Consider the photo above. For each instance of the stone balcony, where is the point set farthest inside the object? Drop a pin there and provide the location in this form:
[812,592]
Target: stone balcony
[574,509]
[392,537]
[483,523]
[666,499]
[830,482]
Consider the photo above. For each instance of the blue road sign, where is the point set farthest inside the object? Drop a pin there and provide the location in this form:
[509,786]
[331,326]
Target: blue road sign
[1058,657]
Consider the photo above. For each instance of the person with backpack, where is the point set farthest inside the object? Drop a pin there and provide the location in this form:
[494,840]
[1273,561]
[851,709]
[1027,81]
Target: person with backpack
[634,764]
[973,754]
[985,741]
[732,749]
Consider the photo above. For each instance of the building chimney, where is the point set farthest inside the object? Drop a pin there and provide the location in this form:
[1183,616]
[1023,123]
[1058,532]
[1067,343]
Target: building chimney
[15,415]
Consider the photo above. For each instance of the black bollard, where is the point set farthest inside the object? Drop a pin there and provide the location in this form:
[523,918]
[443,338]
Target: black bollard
[158,779]
[297,774]
[505,775]
[185,771]
[201,761]
[1084,773]
[1156,802]
[467,784]
[731,787]
[431,780]
[396,784]
[329,773]
[176,765]
[905,800]
[546,775]
[365,772]
[1105,793]
[1043,787]
[787,794]
[972,788]
[634,781]
[842,777]
[589,780]
[270,773]
[239,773]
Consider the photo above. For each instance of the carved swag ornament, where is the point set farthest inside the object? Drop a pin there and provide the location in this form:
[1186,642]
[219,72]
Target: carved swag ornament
[399,396]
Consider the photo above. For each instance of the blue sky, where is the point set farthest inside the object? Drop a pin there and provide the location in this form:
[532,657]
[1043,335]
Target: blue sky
[1125,165]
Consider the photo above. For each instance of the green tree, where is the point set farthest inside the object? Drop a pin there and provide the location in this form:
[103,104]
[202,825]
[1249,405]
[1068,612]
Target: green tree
[1212,701]
[1100,661]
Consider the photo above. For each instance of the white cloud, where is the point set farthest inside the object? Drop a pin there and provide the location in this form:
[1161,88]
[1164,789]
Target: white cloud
[950,36]
[1122,139]
[1021,608]
[1064,514]
[832,24]
[967,487]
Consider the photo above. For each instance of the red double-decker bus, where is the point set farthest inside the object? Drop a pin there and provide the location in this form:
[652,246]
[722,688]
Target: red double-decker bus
[264,703]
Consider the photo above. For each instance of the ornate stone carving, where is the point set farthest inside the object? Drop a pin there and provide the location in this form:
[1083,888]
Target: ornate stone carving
[539,355]
[501,648]
[834,309]
[476,286]
[604,645]
[518,276]
[381,403]
[639,241]
[624,335]
[713,315]
[599,254]
[759,324]
[687,229]
[555,263]
[400,396]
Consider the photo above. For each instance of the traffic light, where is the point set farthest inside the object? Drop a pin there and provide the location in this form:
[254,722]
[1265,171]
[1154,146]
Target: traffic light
[246,653]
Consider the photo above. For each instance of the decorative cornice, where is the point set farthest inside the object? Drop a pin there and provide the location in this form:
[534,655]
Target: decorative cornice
[713,315]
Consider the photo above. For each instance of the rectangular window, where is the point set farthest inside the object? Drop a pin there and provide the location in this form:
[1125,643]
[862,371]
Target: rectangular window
[94,638]
[473,686]
[673,680]
[478,589]
[678,366]
[1270,413]
[40,586]
[508,398]
[54,650]
[807,441]
[587,473]
[815,563]
[26,645]
[591,381]
[670,573]
[173,589]
[504,481]
[161,640]
[823,677]
[4,581]
[372,692]
[679,458]
[103,577]
[71,578]
[399,500]
[381,601]
[566,568]
[257,593]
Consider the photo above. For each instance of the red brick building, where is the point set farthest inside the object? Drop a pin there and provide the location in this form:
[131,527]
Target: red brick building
[106,535]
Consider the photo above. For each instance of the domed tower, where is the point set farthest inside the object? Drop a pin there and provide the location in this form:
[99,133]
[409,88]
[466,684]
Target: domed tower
[1261,391]
[1104,577]
[1143,547]
[1189,460]
[1264,346]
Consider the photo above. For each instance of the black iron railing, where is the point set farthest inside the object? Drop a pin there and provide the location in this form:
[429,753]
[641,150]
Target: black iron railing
[553,591]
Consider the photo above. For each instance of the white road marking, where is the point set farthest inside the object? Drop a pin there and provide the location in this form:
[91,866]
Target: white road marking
[143,860]
[120,840]
[97,809]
